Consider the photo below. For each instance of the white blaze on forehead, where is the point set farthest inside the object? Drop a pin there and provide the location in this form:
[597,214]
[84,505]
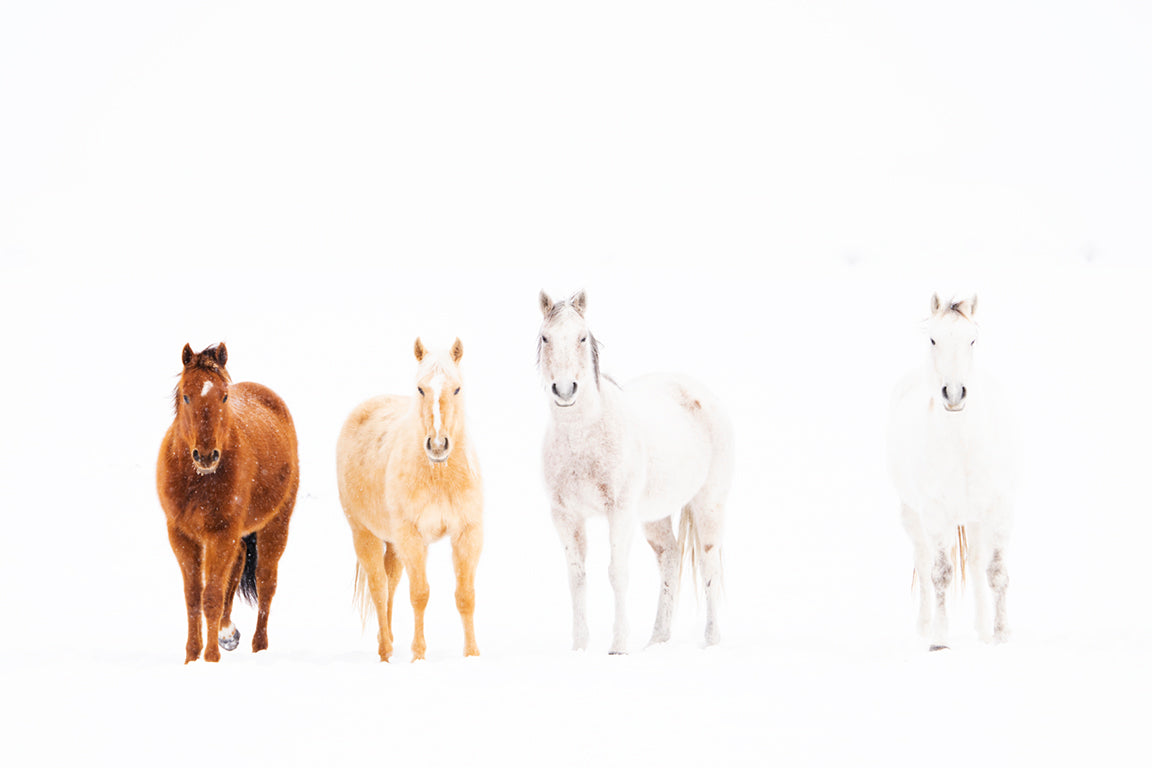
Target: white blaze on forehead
[207,388]
[437,385]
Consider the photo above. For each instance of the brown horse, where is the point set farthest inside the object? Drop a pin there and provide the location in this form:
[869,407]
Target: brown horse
[227,477]
[408,476]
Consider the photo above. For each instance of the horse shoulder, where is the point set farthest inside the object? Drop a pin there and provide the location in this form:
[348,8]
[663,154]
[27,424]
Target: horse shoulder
[170,481]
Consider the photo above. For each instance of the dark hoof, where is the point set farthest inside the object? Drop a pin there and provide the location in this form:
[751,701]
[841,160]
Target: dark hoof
[937,648]
[231,642]
[617,653]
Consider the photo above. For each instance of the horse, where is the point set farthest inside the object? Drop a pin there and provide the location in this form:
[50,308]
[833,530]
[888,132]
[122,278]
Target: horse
[950,458]
[635,453]
[227,477]
[408,476]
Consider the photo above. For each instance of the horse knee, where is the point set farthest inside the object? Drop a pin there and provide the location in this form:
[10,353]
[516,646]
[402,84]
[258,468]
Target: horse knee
[997,573]
[942,573]
[419,596]
[618,578]
[465,601]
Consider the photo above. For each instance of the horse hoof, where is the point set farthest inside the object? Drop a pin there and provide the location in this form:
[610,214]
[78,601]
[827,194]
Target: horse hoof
[932,648]
[230,642]
[617,653]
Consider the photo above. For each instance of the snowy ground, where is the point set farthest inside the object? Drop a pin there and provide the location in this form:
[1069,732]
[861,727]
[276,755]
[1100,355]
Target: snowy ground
[762,197]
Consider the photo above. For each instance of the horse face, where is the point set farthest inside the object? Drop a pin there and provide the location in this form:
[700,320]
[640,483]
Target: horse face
[952,342]
[566,350]
[438,387]
[204,417]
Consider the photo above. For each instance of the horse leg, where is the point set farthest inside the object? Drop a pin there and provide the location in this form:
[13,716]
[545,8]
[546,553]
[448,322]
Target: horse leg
[270,543]
[187,553]
[663,543]
[977,562]
[229,638]
[414,553]
[370,554]
[998,581]
[219,558]
[922,565]
[571,531]
[394,568]
[941,580]
[465,555]
[620,530]
[711,565]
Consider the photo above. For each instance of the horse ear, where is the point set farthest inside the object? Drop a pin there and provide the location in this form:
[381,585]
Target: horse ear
[580,302]
[935,303]
[972,306]
[187,355]
[545,303]
[222,354]
[457,351]
[420,351]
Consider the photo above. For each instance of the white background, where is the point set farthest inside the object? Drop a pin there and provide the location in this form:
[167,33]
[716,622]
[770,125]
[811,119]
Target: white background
[763,195]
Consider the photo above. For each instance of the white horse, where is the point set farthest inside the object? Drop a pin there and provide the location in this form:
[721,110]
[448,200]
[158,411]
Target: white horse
[636,453]
[951,460]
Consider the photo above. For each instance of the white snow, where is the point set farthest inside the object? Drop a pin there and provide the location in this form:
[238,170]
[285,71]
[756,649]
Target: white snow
[763,196]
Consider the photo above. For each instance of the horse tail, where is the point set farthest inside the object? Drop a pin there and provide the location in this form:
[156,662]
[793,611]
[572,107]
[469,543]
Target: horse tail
[248,577]
[689,545]
[361,597]
[960,555]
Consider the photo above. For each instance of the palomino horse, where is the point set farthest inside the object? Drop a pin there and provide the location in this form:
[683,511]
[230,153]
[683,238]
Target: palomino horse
[227,477]
[634,453]
[408,475]
[951,461]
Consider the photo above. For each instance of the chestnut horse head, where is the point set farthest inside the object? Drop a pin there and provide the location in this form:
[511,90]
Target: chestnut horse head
[203,417]
[438,385]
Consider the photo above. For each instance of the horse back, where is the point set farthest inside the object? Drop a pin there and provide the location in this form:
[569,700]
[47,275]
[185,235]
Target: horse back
[365,443]
[265,423]
[686,433]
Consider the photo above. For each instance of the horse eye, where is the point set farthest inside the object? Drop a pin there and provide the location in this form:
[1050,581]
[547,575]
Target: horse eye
[544,339]
[225,399]
[420,390]
[583,339]
[933,341]
[457,391]
[186,398]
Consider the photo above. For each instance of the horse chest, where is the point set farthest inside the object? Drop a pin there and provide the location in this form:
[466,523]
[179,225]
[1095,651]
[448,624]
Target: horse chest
[959,473]
[589,476]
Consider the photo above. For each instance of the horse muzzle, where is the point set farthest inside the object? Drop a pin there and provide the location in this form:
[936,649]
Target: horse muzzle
[566,397]
[954,401]
[205,464]
[437,450]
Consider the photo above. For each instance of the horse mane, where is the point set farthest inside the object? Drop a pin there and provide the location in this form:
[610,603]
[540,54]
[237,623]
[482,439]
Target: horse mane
[552,313]
[961,307]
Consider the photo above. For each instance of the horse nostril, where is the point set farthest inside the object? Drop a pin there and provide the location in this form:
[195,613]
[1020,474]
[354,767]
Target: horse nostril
[963,392]
[215,455]
[944,392]
[574,385]
[428,444]
[195,455]
[445,443]
[555,391]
